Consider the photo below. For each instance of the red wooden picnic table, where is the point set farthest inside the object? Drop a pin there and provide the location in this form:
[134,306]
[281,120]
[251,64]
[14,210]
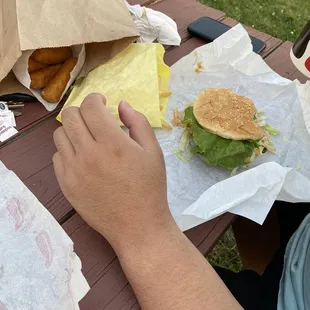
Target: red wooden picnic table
[29,155]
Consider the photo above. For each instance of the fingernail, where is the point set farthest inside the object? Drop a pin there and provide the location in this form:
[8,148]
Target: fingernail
[125,104]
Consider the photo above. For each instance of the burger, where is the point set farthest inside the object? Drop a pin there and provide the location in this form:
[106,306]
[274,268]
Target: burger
[225,129]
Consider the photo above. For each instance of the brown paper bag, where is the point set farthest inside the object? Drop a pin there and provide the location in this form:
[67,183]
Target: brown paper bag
[105,26]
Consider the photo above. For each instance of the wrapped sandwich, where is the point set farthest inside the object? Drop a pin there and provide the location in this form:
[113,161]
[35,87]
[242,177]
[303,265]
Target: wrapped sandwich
[225,129]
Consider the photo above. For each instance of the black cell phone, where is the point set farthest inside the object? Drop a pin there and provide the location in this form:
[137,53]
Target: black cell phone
[209,29]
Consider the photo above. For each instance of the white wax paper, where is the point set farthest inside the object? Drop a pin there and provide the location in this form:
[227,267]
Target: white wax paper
[38,268]
[198,192]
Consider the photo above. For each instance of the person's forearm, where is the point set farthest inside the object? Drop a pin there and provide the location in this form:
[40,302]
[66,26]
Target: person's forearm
[167,272]
[106,174]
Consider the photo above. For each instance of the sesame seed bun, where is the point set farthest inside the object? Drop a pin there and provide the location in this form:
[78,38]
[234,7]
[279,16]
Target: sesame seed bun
[227,115]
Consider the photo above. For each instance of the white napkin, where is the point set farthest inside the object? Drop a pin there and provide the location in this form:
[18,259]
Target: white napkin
[198,192]
[38,268]
[154,26]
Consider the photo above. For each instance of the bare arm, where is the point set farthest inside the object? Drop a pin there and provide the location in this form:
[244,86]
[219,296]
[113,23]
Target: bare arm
[167,272]
[117,183]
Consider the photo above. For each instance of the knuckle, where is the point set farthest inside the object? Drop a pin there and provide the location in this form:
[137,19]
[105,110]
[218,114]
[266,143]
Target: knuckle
[69,190]
[70,183]
[72,122]
[89,161]
[57,135]
[58,164]
[90,158]
[68,114]
[93,97]
[69,180]
[56,158]
[118,151]
[92,100]
[70,186]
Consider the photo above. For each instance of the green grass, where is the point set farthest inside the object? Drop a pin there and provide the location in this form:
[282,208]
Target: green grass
[225,254]
[282,19]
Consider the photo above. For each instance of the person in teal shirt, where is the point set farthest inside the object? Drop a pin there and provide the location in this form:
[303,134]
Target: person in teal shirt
[284,283]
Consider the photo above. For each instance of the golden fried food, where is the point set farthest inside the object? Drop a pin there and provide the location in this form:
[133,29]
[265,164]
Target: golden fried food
[165,124]
[40,78]
[34,65]
[57,85]
[165,93]
[52,56]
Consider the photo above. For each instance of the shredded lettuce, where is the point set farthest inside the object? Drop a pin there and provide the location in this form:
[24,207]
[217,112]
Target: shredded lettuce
[234,172]
[184,142]
[267,143]
[260,118]
[273,131]
[215,150]
[180,154]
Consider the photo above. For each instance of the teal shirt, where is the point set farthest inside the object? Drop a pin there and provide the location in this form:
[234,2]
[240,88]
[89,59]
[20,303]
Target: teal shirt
[294,293]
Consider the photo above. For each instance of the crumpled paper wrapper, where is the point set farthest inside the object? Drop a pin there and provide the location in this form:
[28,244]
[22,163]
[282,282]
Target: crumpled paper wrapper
[21,72]
[198,192]
[154,26]
[38,268]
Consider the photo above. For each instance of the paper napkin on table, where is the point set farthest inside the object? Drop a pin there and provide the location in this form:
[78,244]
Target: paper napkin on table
[38,267]
[154,26]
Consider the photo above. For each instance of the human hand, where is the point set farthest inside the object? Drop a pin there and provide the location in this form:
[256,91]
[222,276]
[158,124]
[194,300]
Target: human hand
[116,182]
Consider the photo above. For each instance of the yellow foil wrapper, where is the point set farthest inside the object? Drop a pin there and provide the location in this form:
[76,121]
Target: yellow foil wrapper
[138,75]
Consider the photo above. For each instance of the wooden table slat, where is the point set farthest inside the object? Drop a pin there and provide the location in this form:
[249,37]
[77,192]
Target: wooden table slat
[297,75]
[109,289]
[210,241]
[280,62]
[141,2]
[100,266]
[45,187]
[187,47]
[123,300]
[32,112]
[102,269]
[32,153]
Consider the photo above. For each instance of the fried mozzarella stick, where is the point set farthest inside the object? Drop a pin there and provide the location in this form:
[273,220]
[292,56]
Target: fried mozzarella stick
[33,65]
[52,56]
[57,85]
[40,78]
